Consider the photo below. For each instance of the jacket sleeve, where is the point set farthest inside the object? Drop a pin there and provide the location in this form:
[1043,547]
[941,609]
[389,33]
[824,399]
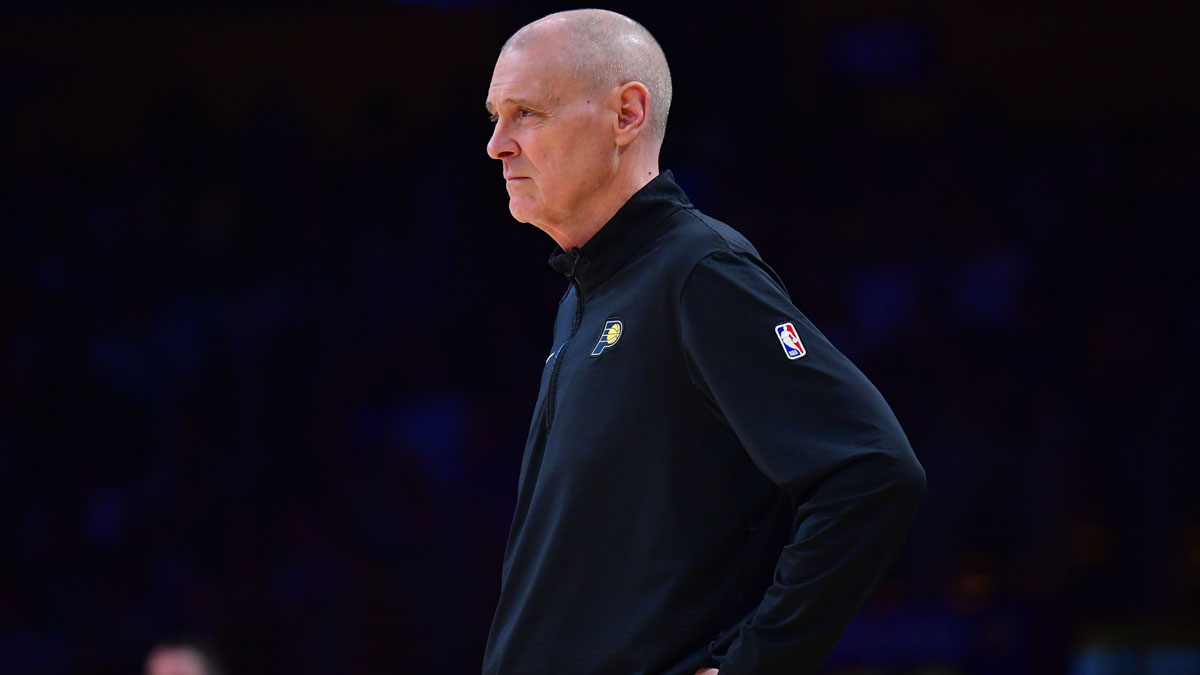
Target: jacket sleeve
[817,427]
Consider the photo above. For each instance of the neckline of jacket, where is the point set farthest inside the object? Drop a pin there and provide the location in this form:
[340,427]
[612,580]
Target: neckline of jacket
[629,228]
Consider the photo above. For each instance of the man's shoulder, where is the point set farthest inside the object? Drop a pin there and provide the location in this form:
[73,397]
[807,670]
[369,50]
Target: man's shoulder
[691,236]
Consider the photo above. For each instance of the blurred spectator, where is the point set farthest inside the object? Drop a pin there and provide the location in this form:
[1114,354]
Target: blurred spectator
[183,656]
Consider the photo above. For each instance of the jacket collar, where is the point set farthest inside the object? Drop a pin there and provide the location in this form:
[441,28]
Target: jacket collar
[623,234]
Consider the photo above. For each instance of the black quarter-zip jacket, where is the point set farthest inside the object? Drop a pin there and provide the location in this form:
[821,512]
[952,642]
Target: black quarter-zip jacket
[706,480]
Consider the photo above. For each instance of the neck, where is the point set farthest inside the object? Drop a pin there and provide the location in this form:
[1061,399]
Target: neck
[578,230]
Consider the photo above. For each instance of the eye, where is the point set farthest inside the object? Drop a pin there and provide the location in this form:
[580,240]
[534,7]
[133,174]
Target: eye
[522,112]
[493,119]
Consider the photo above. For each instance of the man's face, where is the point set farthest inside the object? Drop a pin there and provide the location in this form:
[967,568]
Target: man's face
[553,135]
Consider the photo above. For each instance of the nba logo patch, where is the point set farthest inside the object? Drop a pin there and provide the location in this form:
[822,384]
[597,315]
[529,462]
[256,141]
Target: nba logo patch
[609,336]
[790,341]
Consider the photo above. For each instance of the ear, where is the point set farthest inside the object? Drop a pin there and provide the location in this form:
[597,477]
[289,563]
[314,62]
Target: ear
[633,106]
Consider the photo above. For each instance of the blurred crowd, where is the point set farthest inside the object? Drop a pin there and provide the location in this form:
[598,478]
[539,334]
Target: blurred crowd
[268,381]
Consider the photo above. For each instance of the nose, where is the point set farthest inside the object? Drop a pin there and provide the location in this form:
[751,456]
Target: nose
[501,145]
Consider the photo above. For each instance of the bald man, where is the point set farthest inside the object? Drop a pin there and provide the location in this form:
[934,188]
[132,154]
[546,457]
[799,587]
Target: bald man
[707,483]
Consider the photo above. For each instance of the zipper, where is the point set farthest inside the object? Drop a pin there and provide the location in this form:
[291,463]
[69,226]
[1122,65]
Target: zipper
[550,388]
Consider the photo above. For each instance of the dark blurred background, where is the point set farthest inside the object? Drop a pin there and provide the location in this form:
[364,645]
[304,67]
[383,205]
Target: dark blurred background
[269,339]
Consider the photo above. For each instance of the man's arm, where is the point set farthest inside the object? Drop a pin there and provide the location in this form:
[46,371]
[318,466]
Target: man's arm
[815,425]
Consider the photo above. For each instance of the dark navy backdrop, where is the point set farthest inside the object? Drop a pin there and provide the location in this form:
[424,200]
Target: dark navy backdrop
[269,340]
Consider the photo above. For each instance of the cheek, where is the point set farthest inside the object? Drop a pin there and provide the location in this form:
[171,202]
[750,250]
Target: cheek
[569,163]
[582,162]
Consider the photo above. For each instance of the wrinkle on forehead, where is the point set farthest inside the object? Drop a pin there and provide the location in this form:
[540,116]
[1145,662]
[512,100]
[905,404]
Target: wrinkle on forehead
[532,74]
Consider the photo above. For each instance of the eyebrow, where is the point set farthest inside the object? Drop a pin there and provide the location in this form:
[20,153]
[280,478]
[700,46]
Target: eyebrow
[514,101]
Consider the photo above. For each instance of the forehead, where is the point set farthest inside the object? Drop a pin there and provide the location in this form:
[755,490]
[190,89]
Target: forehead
[535,73]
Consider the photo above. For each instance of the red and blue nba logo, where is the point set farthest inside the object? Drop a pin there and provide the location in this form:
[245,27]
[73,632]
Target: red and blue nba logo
[790,340]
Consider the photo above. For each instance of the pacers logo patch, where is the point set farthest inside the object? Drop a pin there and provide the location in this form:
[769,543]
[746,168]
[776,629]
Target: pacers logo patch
[609,336]
[789,340]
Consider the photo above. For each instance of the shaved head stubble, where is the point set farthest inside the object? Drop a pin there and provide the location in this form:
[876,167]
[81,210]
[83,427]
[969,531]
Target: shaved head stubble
[605,49]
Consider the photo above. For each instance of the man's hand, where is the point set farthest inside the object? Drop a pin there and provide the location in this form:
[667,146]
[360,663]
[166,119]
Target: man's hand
[707,671]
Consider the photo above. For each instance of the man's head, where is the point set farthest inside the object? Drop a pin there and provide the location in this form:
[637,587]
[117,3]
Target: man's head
[580,102]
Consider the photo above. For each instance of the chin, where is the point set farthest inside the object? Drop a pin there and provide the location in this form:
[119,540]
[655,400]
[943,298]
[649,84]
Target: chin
[517,215]
[521,212]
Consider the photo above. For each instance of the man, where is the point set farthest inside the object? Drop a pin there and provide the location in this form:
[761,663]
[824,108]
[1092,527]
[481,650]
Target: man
[707,482]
